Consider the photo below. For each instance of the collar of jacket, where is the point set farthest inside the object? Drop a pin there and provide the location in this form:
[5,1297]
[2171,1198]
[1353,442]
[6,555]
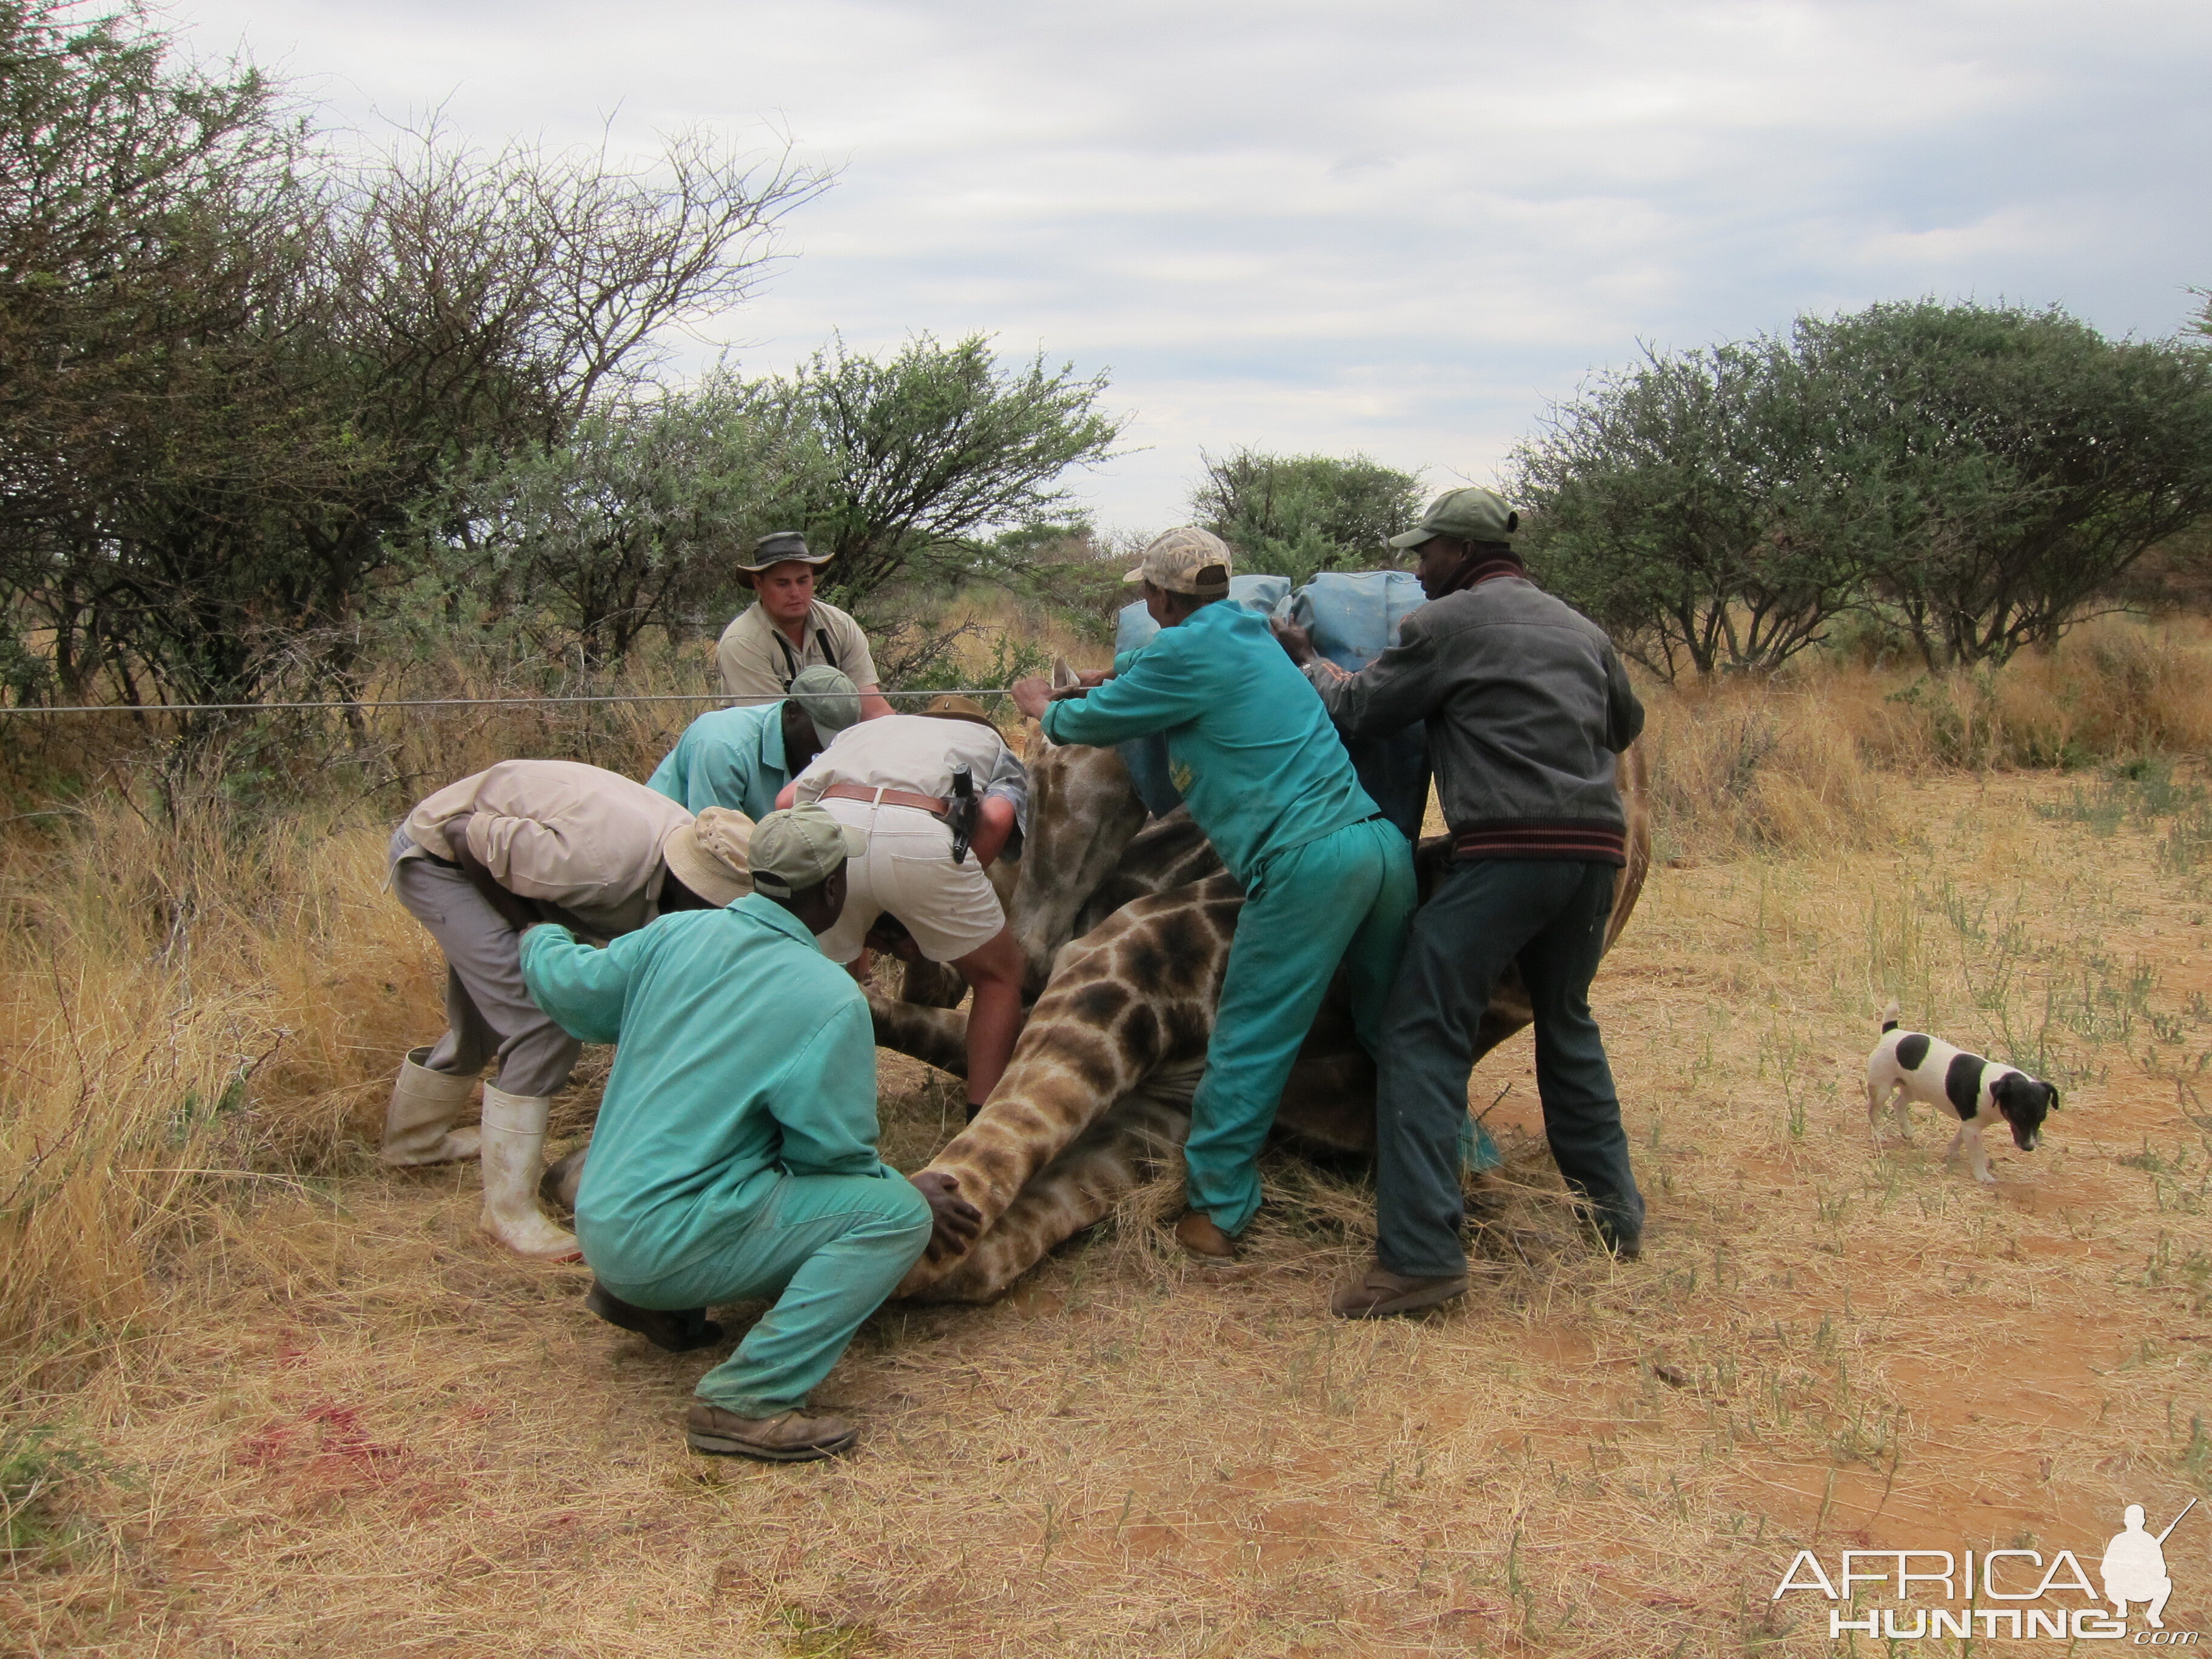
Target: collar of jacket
[763,909]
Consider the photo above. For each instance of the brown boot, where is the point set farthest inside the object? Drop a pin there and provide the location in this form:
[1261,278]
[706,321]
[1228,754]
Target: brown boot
[1198,1236]
[1380,1293]
[676,1332]
[787,1437]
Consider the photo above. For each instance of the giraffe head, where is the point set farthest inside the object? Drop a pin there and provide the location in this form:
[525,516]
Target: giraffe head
[1084,811]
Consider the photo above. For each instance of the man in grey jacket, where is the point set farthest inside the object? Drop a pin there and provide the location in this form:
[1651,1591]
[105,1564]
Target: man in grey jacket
[1527,707]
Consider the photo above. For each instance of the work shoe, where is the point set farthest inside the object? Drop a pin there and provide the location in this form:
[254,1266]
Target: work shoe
[677,1332]
[1379,1293]
[787,1437]
[1199,1237]
[562,1180]
[418,1124]
[513,1139]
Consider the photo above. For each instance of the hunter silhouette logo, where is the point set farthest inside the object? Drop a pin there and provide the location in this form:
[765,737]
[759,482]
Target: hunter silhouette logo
[2133,1569]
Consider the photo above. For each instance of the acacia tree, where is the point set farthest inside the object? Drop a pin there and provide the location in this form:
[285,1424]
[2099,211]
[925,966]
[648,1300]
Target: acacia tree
[2024,463]
[926,450]
[1701,507]
[1295,515]
[635,518]
[308,348]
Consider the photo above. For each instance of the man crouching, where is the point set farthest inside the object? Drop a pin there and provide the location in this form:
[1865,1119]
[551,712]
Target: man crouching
[735,1156]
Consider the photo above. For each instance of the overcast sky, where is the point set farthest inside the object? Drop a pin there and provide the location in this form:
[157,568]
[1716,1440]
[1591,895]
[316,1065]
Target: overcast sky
[1399,228]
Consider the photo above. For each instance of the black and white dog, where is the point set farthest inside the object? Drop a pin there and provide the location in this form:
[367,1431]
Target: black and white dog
[1908,1066]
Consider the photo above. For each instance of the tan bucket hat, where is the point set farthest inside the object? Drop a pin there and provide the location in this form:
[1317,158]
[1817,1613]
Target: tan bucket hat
[709,854]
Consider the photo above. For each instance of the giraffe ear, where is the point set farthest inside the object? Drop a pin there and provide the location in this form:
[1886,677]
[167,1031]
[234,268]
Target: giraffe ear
[1062,675]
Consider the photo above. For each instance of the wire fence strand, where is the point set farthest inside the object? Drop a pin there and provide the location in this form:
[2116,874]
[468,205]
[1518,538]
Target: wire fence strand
[364,703]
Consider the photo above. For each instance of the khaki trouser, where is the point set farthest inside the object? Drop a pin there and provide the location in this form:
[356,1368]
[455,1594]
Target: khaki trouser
[489,1013]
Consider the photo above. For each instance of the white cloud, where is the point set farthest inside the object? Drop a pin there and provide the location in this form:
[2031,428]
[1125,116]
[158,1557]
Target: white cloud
[1398,227]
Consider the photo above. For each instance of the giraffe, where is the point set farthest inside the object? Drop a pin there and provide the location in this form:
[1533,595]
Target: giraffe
[1099,1092]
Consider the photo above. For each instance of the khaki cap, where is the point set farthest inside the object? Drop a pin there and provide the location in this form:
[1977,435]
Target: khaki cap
[781,547]
[1176,561]
[951,707]
[709,854]
[800,849]
[1470,515]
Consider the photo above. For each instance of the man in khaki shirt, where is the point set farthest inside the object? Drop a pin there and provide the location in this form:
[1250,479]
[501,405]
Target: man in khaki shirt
[478,862]
[892,778]
[787,628]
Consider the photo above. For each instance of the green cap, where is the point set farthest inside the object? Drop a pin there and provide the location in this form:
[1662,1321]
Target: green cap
[801,848]
[827,698]
[1471,515]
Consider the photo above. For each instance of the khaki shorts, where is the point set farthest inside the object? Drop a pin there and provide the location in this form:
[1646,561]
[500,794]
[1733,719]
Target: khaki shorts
[907,870]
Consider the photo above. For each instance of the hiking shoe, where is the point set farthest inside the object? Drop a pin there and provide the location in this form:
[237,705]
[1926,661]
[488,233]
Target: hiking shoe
[1199,1237]
[675,1332]
[787,1437]
[1380,1293]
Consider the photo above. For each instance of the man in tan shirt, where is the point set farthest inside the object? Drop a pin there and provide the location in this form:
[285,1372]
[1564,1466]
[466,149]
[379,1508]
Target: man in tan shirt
[893,779]
[787,628]
[477,863]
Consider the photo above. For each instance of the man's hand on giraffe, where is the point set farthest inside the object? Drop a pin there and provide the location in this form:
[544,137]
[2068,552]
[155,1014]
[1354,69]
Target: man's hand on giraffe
[953,1221]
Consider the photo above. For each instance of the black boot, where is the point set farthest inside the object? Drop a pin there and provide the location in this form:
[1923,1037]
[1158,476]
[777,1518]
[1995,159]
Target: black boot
[678,1333]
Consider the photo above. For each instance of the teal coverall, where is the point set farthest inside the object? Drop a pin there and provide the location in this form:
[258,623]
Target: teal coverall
[1326,878]
[735,1156]
[730,757]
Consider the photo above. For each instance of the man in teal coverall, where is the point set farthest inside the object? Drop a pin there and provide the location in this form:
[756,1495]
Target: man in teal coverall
[735,1156]
[1326,878]
[740,758]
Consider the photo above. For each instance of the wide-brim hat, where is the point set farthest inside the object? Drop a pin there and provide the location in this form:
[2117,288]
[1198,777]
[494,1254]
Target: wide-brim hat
[828,697]
[950,706]
[710,854]
[781,547]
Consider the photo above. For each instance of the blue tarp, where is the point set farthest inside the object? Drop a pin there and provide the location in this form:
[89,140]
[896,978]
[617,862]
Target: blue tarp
[1354,617]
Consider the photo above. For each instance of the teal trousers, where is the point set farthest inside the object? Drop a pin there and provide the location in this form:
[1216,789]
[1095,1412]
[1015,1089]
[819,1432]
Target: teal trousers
[829,1249]
[1347,897]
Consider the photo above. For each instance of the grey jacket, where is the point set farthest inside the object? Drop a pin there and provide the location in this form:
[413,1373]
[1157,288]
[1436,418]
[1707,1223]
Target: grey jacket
[1526,705]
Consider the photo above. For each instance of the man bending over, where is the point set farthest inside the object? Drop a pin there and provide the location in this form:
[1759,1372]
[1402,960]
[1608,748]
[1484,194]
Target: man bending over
[735,1156]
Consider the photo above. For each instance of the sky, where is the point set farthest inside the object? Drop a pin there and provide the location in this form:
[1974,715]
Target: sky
[1399,228]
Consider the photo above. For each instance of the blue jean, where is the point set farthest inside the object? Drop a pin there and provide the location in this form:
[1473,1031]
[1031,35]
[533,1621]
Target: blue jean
[829,1249]
[1550,915]
[1343,898]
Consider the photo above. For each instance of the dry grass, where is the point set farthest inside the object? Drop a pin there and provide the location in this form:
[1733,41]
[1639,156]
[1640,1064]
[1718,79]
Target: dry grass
[303,1409]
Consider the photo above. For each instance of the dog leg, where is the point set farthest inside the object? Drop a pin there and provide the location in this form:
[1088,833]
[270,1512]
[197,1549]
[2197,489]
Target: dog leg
[1903,1103]
[1873,1112]
[1952,1150]
[1974,1138]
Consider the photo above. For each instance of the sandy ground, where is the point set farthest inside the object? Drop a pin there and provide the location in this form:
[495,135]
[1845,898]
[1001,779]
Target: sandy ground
[352,1428]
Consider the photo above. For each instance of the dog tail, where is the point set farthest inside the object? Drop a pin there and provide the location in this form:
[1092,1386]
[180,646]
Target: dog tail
[1889,1017]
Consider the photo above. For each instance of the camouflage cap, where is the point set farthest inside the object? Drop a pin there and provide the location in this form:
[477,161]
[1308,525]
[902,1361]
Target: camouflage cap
[803,848]
[780,547]
[1471,515]
[1185,561]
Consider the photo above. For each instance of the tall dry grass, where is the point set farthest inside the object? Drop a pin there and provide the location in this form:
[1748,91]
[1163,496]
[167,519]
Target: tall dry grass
[1805,760]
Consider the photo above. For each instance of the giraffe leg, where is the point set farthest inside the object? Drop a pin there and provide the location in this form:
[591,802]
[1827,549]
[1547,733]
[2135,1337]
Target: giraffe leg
[1121,1150]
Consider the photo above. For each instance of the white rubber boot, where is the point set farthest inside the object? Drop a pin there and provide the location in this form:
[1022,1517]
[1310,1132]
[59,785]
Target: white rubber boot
[513,1145]
[418,1124]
